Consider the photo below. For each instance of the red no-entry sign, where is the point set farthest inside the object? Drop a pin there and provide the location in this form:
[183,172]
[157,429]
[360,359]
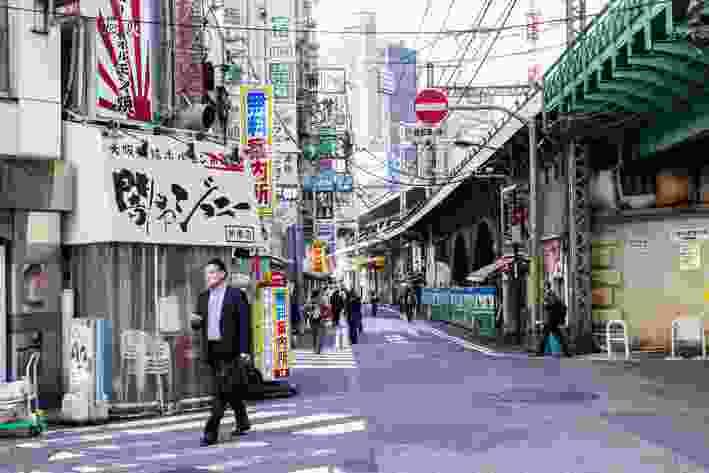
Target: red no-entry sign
[431,106]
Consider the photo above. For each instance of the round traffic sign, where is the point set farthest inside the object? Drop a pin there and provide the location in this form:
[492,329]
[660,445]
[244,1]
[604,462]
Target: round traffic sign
[431,106]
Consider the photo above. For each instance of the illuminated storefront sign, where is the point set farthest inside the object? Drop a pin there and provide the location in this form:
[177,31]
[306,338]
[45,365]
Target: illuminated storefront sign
[256,114]
[280,334]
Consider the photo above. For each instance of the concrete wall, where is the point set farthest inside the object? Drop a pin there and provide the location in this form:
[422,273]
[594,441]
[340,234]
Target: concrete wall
[31,119]
[639,276]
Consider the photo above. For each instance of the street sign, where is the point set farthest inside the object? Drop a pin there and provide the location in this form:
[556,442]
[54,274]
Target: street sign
[418,134]
[431,106]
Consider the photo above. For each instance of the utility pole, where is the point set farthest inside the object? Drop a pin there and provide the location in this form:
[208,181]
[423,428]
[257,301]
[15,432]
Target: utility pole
[535,227]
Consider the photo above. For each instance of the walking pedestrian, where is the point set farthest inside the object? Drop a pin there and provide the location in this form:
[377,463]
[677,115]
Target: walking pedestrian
[411,304]
[355,319]
[337,303]
[556,315]
[312,308]
[222,318]
[374,300]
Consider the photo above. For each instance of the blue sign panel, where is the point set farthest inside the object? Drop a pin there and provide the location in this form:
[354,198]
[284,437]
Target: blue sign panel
[325,181]
[256,119]
[344,183]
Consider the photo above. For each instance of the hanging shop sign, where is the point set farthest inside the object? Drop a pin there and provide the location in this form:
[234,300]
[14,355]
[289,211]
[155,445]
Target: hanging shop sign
[171,202]
[328,181]
[328,141]
[282,80]
[256,114]
[281,344]
[286,193]
[127,49]
[166,148]
[280,29]
[188,49]
[263,187]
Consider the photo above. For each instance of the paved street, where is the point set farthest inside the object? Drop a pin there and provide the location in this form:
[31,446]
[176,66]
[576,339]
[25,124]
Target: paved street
[409,399]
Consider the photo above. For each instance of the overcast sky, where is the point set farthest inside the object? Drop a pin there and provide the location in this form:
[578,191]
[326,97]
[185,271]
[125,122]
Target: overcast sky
[507,62]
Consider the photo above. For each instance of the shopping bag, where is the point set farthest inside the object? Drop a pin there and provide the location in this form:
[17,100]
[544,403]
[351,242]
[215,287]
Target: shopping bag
[552,345]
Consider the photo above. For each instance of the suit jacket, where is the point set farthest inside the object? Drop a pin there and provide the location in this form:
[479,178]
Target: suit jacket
[235,326]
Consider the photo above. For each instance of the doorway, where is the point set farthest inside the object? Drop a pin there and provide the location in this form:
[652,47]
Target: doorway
[460,261]
[484,247]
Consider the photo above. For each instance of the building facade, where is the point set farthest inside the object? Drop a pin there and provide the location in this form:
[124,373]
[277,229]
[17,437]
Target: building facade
[35,193]
[122,171]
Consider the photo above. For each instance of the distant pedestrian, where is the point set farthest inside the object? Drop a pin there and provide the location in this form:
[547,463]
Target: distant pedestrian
[355,319]
[312,310]
[374,300]
[411,304]
[556,315]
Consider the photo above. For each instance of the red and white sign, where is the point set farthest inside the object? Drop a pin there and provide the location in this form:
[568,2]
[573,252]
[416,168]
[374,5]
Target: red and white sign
[431,106]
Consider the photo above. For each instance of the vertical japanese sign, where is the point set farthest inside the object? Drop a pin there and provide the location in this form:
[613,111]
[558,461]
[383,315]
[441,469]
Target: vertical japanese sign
[281,342]
[127,37]
[268,331]
[188,48]
[281,80]
[256,114]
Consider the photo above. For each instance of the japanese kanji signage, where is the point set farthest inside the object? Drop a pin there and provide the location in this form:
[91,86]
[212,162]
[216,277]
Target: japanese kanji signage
[262,171]
[164,148]
[127,44]
[163,201]
[256,113]
[281,79]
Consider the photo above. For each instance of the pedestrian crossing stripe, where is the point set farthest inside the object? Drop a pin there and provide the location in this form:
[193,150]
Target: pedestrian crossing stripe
[260,422]
[336,359]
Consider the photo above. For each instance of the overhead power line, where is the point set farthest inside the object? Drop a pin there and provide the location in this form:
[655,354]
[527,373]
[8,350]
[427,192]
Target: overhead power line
[482,30]
[478,21]
[512,5]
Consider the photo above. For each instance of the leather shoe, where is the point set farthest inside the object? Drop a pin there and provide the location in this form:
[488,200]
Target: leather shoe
[240,431]
[206,442]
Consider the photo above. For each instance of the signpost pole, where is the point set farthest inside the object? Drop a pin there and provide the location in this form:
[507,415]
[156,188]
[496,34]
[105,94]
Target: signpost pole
[434,140]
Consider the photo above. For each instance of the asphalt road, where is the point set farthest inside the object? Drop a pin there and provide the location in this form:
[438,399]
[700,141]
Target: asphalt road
[408,399]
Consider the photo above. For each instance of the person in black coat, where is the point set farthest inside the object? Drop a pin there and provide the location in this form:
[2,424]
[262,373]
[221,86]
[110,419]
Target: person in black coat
[222,319]
[355,319]
[556,315]
[337,304]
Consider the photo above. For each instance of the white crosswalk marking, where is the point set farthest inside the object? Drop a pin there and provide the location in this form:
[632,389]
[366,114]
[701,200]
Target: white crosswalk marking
[97,455]
[305,359]
[395,339]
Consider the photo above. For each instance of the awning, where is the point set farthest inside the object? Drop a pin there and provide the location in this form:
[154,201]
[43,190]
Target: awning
[483,274]
[503,264]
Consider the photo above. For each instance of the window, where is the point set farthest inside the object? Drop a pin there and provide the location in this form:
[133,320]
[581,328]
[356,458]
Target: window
[4,49]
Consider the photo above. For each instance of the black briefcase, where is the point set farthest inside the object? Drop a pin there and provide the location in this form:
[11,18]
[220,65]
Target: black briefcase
[232,376]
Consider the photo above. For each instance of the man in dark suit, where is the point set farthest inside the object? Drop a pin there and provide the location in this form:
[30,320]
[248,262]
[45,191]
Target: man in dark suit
[223,322]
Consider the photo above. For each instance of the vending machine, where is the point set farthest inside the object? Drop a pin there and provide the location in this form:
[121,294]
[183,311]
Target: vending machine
[271,329]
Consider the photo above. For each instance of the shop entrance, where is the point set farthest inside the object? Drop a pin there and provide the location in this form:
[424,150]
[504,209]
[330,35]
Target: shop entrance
[460,262]
[484,248]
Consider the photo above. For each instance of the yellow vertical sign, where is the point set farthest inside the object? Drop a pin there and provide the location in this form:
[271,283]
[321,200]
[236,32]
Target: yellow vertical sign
[535,281]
